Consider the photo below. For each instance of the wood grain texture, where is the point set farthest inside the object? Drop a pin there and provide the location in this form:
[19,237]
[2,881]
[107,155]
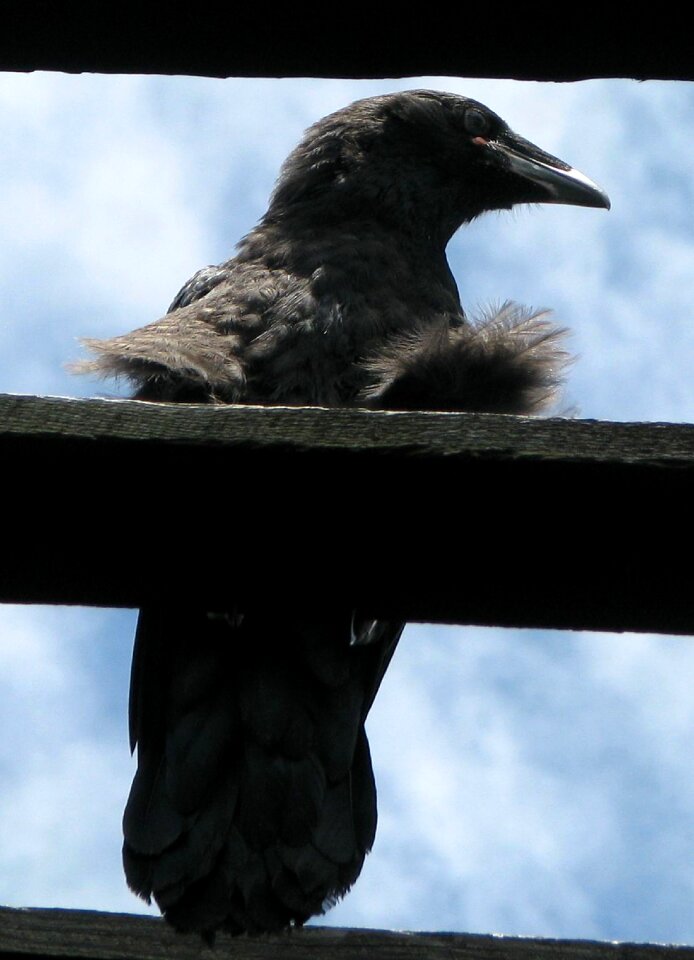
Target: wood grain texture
[428,516]
[108,936]
[419,433]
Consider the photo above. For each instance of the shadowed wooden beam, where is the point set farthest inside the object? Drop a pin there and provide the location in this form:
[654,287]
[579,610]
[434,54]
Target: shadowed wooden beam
[469,40]
[107,936]
[425,516]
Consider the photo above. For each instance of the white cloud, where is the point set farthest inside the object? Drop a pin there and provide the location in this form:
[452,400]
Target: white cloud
[524,777]
[63,756]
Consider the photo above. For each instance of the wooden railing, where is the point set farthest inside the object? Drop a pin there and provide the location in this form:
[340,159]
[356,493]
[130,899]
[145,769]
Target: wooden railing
[102,936]
[438,517]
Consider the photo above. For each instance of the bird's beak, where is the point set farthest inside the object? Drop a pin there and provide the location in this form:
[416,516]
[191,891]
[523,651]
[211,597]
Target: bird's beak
[559,182]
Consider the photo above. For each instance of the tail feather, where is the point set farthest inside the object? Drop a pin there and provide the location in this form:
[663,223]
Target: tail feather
[175,867]
[198,745]
[151,821]
[254,803]
[316,874]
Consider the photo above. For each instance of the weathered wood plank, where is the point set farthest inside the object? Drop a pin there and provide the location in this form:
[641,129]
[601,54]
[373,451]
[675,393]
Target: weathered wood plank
[425,516]
[104,936]
[343,429]
[469,40]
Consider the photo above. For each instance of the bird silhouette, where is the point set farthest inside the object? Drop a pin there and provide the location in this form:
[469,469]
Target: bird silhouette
[254,801]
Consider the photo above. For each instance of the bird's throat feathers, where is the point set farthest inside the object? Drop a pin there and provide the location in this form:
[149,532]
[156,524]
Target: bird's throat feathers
[359,268]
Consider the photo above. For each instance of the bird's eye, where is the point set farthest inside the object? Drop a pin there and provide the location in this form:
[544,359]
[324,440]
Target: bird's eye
[476,123]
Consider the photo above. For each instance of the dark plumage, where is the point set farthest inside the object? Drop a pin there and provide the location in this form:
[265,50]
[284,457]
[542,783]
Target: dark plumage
[254,803]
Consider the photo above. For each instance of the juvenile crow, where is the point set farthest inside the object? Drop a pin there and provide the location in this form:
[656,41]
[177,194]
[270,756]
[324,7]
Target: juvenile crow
[254,803]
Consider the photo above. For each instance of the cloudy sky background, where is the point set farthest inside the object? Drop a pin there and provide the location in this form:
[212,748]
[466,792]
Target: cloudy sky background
[529,782]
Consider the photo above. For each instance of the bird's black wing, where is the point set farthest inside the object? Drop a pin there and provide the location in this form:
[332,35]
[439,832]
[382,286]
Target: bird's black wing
[199,285]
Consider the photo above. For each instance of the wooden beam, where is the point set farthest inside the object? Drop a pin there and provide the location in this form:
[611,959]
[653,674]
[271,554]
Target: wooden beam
[423,516]
[466,40]
[107,936]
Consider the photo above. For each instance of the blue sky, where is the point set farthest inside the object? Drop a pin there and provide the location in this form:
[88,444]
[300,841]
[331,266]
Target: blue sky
[530,782]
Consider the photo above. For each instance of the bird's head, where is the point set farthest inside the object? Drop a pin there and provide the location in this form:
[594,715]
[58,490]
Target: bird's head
[421,161]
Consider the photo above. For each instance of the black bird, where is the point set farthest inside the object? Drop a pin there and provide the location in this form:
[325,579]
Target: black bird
[254,802]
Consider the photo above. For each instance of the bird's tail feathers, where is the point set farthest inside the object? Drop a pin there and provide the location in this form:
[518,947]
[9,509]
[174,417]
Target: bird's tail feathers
[254,803]
[511,359]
